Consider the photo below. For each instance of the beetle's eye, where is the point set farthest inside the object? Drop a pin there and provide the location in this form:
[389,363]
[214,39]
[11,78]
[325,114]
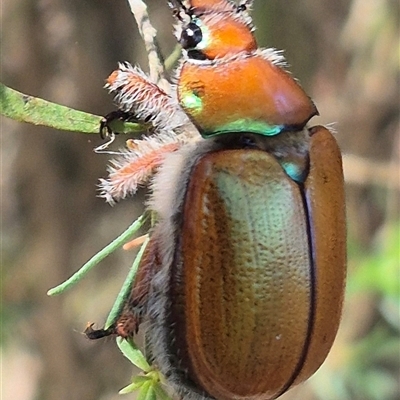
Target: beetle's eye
[191,36]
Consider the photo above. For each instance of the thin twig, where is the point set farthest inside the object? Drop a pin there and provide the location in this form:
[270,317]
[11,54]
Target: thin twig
[148,33]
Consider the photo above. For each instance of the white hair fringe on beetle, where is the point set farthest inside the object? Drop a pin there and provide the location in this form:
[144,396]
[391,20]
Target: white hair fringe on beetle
[152,99]
[148,98]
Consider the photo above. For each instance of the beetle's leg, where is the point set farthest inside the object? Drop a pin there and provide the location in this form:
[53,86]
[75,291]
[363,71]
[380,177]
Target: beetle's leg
[135,307]
[136,95]
[94,334]
[135,166]
[124,116]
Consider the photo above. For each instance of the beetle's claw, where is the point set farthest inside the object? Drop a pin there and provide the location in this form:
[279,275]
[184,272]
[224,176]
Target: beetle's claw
[105,130]
[94,334]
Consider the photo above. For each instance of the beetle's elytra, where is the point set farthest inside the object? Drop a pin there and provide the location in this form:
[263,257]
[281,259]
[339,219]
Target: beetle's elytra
[242,281]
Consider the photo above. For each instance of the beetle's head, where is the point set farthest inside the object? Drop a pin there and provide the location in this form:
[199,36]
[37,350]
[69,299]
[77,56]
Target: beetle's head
[211,29]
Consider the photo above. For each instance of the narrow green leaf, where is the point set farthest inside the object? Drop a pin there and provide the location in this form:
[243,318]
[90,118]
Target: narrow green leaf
[160,392]
[151,393]
[133,354]
[142,395]
[147,392]
[139,380]
[136,384]
[126,288]
[114,245]
[129,389]
[25,108]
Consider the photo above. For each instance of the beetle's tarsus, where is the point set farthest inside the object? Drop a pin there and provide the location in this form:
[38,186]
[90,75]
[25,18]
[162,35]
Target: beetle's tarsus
[105,129]
[94,334]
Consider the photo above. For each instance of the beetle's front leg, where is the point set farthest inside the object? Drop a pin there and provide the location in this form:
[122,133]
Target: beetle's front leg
[135,308]
[105,129]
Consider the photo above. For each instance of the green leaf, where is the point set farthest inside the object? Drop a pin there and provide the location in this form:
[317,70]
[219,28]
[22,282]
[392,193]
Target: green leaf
[149,383]
[136,384]
[133,354]
[126,288]
[114,245]
[161,393]
[147,392]
[25,108]
[129,389]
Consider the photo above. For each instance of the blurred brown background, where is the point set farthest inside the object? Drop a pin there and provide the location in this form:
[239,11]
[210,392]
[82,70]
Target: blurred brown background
[345,53]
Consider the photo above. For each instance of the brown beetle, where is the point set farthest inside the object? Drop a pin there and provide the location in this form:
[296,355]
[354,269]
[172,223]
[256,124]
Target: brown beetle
[242,282]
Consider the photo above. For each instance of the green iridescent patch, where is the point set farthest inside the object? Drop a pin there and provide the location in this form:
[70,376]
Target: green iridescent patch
[294,171]
[245,125]
[192,101]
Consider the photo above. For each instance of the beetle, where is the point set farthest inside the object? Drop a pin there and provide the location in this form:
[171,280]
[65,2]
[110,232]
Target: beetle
[242,281]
